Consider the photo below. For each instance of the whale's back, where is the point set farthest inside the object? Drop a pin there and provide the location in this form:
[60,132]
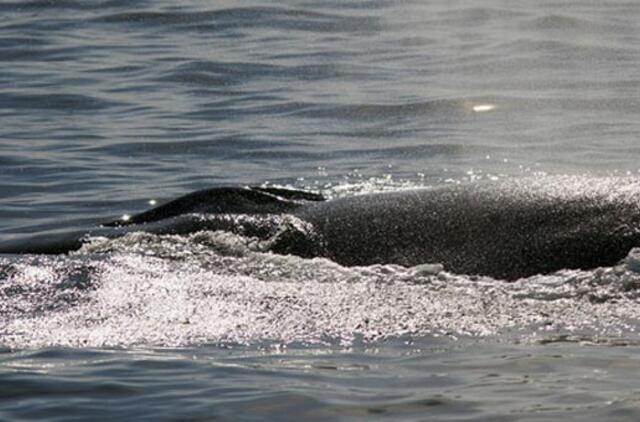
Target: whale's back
[505,229]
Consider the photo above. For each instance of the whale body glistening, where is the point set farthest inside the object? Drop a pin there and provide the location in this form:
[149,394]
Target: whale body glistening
[505,229]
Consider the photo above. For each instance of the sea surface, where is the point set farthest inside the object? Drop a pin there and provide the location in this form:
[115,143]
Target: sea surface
[108,106]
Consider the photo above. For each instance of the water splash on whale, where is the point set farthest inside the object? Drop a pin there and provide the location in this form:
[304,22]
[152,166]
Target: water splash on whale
[168,291]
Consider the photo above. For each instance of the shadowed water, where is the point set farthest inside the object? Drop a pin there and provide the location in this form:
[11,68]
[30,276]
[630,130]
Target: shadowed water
[106,105]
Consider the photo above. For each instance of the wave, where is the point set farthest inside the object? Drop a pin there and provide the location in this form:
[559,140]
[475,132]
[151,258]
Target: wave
[246,17]
[77,103]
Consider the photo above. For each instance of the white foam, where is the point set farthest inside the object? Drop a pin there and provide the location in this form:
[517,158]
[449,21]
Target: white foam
[178,292]
[632,261]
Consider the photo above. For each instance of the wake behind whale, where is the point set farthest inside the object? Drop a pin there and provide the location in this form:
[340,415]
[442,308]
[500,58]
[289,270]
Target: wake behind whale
[505,229]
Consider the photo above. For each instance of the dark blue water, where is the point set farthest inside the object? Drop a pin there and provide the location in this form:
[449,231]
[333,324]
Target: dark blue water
[105,105]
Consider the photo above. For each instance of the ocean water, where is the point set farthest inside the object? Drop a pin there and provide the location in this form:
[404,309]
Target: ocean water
[107,105]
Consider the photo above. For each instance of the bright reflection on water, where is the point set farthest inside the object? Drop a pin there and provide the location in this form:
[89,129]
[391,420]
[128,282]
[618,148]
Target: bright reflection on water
[480,108]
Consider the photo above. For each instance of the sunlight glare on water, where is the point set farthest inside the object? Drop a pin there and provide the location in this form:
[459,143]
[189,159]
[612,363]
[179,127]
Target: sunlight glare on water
[175,291]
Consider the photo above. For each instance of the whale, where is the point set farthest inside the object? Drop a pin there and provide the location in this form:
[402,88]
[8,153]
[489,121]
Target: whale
[506,229]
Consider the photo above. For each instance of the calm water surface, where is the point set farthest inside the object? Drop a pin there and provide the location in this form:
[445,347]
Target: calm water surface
[107,104]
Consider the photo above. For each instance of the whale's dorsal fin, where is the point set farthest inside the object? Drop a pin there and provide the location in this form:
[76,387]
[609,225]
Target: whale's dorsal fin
[225,200]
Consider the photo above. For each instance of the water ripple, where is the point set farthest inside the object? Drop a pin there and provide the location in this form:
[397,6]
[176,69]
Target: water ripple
[246,17]
[54,102]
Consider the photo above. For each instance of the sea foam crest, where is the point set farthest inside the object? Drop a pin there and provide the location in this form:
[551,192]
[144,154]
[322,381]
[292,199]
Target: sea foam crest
[180,292]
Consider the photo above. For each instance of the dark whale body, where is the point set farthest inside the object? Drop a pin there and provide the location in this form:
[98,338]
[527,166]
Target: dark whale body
[505,229]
